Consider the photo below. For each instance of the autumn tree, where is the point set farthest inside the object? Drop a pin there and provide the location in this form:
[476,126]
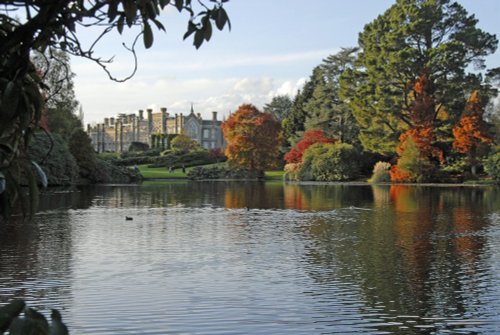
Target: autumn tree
[310,137]
[253,139]
[419,163]
[413,37]
[471,131]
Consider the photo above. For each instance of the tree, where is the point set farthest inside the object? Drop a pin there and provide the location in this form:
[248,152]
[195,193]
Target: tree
[41,25]
[293,124]
[416,150]
[184,143]
[294,156]
[471,131]
[325,109]
[413,37]
[80,146]
[279,107]
[60,102]
[253,139]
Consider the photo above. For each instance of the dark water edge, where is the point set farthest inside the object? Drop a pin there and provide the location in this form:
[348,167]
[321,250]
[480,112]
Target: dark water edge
[261,258]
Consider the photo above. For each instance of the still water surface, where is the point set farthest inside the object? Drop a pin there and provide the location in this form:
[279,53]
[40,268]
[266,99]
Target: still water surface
[255,258]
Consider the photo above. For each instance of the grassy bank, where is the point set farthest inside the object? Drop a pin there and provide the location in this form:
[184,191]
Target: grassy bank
[164,173]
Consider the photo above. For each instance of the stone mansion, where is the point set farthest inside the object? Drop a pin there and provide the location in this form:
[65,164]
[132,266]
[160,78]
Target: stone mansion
[116,134]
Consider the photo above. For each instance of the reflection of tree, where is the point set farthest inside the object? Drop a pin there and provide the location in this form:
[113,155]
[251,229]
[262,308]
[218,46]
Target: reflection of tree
[325,197]
[416,254]
[253,195]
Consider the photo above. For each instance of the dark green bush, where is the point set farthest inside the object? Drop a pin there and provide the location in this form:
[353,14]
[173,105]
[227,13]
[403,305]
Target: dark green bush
[201,173]
[106,172]
[137,154]
[329,162]
[138,147]
[80,146]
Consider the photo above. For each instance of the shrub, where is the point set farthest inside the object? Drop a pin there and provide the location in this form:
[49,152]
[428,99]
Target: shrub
[381,173]
[80,146]
[107,156]
[329,162]
[412,165]
[138,147]
[106,172]
[292,171]
[310,137]
[200,173]
[492,165]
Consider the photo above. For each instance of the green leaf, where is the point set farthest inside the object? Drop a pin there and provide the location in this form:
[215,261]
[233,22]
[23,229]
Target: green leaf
[13,309]
[148,35]
[179,4]
[120,24]
[221,19]
[198,38]
[130,8]
[207,30]
[191,29]
[112,10]
[158,24]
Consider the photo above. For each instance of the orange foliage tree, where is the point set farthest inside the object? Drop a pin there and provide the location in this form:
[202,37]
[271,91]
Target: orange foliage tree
[253,139]
[416,150]
[310,137]
[472,130]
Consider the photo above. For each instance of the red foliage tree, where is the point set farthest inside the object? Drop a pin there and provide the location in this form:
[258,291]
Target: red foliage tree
[253,139]
[310,137]
[417,165]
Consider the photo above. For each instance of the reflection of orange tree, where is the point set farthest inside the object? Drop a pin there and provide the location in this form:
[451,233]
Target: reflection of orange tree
[466,243]
[234,198]
[414,221]
[253,195]
[294,197]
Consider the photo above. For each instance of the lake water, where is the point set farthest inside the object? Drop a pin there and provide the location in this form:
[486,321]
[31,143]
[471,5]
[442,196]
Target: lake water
[260,258]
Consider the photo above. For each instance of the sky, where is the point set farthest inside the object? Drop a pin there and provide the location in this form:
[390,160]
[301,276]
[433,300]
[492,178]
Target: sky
[271,49]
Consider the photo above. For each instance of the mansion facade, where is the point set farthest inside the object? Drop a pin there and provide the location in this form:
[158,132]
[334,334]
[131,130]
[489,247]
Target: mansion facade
[116,134]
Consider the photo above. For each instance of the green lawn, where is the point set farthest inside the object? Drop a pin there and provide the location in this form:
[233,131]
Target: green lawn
[162,173]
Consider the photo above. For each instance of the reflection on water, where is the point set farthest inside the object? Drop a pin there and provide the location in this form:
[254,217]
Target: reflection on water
[268,258]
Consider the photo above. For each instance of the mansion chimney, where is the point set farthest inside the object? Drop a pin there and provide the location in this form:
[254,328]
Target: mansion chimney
[141,114]
[164,116]
[150,119]
[214,116]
